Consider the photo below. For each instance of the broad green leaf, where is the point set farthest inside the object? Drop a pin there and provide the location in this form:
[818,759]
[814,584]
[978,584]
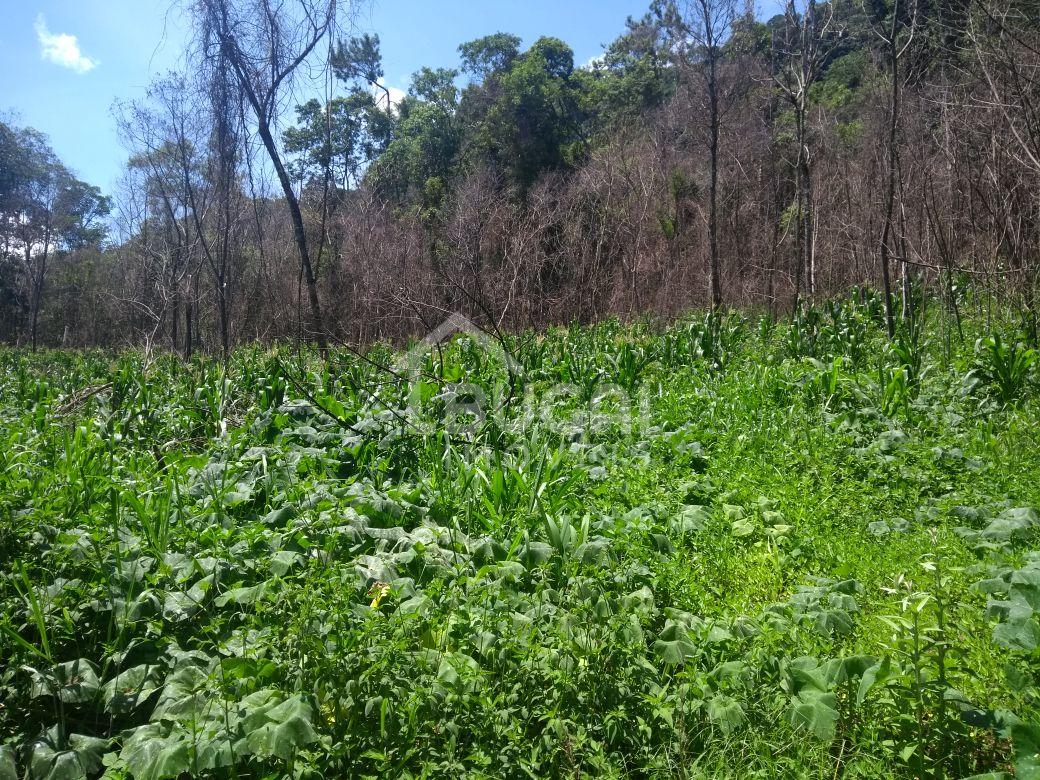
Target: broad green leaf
[595,552]
[77,759]
[662,543]
[641,600]
[1026,739]
[726,713]
[288,728]
[74,682]
[179,606]
[1025,587]
[848,587]
[879,673]
[732,670]
[857,665]
[184,695]
[831,622]
[279,517]
[991,586]
[674,645]
[534,554]
[816,712]
[130,688]
[486,550]
[1022,634]
[284,560]
[1011,522]
[446,673]
[239,494]
[691,519]
[718,634]
[152,754]
[241,596]
[733,513]
[879,528]
[214,753]
[1019,680]
[8,768]
[742,528]
[63,765]
[809,674]
[778,531]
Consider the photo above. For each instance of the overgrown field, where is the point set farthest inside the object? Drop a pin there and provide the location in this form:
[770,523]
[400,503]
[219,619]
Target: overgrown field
[725,548]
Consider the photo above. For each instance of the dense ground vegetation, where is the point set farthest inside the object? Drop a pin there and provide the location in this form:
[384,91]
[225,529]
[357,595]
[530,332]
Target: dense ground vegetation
[707,155]
[726,547]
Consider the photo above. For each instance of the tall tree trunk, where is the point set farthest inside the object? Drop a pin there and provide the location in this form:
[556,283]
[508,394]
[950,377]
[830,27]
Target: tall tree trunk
[175,315]
[890,190]
[189,317]
[175,302]
[299,233]
[225,333]
[806,253]
[713,146]
[37,289]
[809,241]
[799,188]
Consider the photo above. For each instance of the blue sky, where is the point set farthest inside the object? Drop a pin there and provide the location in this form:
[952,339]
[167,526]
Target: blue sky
[64,62]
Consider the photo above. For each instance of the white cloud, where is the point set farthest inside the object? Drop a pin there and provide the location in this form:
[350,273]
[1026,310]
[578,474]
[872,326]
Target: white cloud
[62,49]
[387,97]
[595,63]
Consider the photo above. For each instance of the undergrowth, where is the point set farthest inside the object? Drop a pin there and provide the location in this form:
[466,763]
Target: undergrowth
[730,547]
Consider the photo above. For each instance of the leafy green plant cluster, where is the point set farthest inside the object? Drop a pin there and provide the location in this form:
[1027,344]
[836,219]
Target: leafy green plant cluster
[709,549]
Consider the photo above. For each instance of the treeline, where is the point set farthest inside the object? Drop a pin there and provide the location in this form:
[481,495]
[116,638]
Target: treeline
[48,217]
[708,158]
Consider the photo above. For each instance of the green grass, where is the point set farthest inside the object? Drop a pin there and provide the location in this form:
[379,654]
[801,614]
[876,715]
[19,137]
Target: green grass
[722,548]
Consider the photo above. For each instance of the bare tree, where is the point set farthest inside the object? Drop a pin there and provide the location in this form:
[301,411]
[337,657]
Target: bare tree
[265,45]
[897,33]
[798,60]
[1005,39]
[701,27]
[166,134]
[222,169]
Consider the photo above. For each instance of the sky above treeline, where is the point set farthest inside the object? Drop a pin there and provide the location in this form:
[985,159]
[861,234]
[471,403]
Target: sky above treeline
[64,63]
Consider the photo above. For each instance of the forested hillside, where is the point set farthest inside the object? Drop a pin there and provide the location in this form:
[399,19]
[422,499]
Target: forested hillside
[276,189]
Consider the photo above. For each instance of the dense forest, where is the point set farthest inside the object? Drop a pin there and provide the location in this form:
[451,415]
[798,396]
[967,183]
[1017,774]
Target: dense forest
[708,157]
